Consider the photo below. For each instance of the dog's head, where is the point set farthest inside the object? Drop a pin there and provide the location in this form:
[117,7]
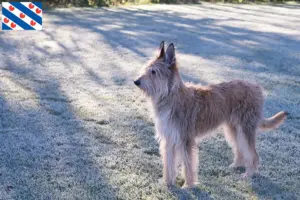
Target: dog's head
[160,75]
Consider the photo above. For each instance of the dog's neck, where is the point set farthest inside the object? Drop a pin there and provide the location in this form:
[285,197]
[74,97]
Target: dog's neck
[168,99]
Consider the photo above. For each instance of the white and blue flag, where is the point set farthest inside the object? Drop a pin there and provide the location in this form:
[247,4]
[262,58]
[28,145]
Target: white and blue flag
[22,16]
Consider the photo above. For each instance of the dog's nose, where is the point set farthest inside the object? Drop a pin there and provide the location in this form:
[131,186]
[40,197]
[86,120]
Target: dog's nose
[137,82]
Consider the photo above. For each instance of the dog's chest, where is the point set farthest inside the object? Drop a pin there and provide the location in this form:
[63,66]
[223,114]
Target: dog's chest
[166,128]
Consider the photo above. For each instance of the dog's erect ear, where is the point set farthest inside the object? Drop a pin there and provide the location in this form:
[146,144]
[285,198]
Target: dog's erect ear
[161,50]
[170,55]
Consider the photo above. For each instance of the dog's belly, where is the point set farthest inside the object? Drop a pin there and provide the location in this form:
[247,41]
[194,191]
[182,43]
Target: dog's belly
[188,128]
[209,124]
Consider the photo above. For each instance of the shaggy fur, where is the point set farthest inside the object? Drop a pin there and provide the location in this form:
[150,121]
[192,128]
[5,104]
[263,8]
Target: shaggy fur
[186,112]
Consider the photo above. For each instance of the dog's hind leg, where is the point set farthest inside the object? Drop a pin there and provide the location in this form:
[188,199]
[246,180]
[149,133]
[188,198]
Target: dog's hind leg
[167,150]
[231,132]
[246,139]
[190,163]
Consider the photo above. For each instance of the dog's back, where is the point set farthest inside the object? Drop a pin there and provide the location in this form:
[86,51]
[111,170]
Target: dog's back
[208,106]
[242,101]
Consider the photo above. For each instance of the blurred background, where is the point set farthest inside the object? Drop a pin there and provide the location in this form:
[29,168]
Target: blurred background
[97,3]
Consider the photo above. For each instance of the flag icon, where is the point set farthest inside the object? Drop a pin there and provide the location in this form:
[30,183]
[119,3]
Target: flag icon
[22,16]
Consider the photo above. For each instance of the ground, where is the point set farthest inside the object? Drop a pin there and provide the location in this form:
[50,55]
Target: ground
[74,126]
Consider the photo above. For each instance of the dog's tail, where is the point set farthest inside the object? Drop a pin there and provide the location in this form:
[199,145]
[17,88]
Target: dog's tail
[272,122]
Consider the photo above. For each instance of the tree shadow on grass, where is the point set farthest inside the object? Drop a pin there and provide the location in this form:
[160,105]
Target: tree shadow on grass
[267,189]
[214,36]
[45,149]
[191,193]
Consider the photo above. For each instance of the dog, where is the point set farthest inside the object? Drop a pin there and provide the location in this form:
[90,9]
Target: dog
[185,112]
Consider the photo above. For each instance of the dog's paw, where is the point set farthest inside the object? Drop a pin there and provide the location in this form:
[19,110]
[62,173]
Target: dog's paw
[246,175]
[186,186]
[235,165]
[189,186]
[250,173]
[166,183]
[232,166]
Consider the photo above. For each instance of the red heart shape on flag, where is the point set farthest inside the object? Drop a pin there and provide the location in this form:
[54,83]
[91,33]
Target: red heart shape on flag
[22,15]
[31,6]
[13,25]
[32,23]
[11,8]
[38,11]
[6,20]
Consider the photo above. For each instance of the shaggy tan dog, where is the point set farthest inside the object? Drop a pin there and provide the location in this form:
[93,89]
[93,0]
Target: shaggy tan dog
[186,112]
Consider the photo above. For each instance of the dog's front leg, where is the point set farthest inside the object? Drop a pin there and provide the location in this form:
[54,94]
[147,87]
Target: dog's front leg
[167,150]
[190,163]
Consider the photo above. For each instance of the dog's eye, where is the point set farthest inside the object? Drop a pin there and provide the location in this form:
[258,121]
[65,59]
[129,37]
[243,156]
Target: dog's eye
[153,72]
